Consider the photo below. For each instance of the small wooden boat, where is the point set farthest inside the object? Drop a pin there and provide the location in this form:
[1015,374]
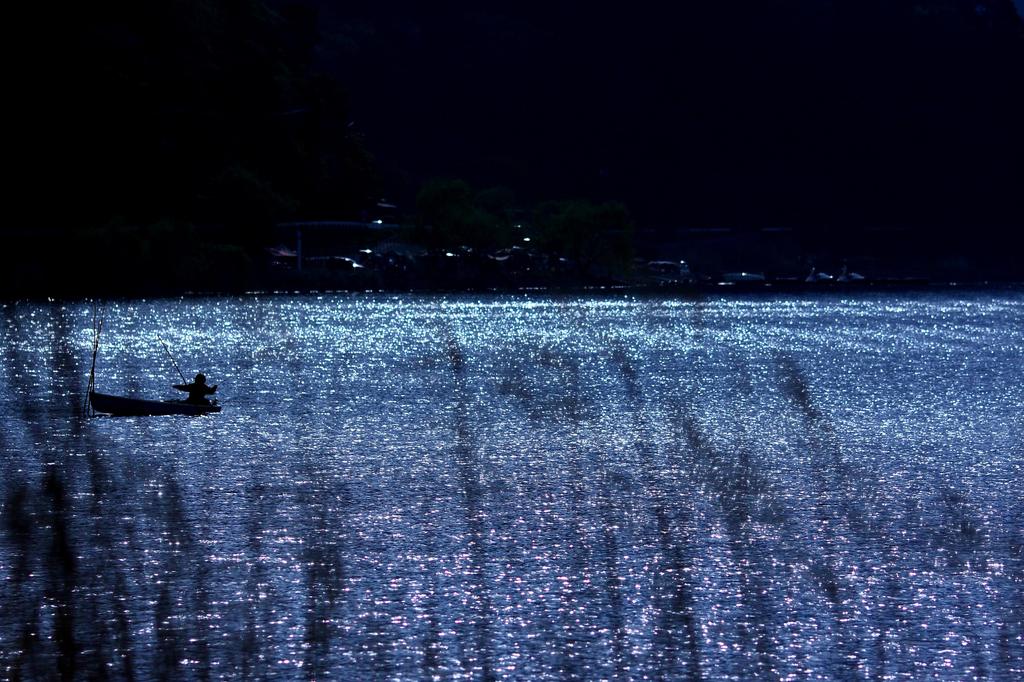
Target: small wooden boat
[135,407]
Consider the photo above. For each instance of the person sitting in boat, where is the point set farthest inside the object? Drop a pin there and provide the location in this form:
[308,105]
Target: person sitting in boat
[197,390]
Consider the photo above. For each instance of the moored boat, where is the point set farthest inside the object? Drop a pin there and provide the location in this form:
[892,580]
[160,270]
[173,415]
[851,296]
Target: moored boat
[136,407]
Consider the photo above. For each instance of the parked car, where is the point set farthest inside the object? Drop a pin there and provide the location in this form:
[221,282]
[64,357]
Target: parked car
[669,272]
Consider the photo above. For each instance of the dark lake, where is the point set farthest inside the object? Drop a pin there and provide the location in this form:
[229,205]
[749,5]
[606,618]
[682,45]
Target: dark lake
[519,487]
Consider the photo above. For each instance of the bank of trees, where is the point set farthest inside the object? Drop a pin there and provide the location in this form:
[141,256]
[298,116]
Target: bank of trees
[596,237]
[173,129]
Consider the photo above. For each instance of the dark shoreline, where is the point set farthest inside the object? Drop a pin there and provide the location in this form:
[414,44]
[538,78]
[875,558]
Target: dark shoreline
[681,291]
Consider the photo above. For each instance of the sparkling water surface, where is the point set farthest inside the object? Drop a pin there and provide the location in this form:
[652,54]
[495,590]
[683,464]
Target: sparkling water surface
[519,487]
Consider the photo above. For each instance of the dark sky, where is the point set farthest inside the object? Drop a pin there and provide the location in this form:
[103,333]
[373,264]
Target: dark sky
[796,111]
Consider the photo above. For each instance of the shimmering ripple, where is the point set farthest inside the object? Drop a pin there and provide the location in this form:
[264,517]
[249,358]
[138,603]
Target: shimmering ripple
[520,487]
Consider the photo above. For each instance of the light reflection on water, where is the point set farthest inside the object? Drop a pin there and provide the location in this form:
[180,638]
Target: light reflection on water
[520,487]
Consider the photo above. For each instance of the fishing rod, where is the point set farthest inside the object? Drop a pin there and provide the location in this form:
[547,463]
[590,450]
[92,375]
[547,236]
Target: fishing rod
[168,350]
[99,314]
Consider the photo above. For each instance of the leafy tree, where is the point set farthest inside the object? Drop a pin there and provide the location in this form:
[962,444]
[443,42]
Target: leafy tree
[451,215]
[498,201]
[599,237]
